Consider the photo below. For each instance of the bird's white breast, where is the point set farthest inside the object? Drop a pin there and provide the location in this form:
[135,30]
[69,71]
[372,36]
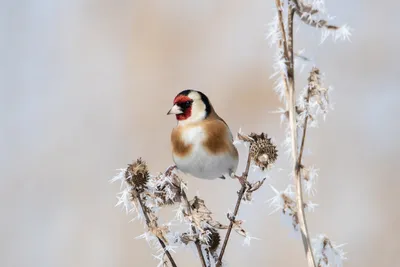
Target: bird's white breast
[200,163]
[193,135]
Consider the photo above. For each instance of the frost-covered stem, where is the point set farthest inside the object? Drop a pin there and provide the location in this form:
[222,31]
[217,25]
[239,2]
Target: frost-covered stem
[197,242]
[283,45]
[232,218]
[290,43]
[293,132]
[283,32]
[136,195]
[201,256]
[303,137]
[208,254]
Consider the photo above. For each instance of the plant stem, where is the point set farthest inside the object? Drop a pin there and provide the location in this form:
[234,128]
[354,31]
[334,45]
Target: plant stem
[235,212]
[303,137]
[293,130]
[283,32]
[136,194]
[197,242]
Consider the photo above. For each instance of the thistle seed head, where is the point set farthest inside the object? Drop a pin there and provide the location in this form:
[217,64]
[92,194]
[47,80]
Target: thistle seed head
[137,174]
[262,151]
[214,239]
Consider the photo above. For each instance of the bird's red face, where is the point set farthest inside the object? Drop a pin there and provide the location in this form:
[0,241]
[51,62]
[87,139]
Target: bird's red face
[190,106]
[182,107]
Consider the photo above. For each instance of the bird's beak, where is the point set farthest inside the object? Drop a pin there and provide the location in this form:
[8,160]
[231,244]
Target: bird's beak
[175,110]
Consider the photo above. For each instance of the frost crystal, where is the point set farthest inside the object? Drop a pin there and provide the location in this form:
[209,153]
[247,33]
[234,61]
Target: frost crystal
[248,238]
[310,176]
[343,33]
[284,201]
[327,253]
[274,34]
[318,5]
[124,200]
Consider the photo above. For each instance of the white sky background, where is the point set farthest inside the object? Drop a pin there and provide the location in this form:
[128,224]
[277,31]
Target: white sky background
[84,89]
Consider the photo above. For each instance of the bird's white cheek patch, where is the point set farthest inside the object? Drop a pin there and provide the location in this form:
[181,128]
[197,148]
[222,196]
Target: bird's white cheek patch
[193,135]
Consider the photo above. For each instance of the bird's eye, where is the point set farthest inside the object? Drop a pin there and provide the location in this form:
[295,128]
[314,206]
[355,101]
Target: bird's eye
[186,104]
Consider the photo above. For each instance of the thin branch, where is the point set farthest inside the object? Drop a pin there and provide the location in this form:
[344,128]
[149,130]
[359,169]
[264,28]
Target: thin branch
[308,8]
[303,137]
[136,194]
[208,255]
[293,130]
[283,32]
[283,44]
[197,242]
[200,252]
[232,218]
[290,46]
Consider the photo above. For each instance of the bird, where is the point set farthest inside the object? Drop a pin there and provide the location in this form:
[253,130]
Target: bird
[202,143]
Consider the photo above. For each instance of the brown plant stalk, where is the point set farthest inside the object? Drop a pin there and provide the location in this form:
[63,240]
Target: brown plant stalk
[136,195]
[303,136]
[232,217]
[291,104]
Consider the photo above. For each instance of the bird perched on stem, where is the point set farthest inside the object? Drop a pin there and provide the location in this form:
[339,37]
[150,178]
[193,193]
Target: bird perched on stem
[202,144]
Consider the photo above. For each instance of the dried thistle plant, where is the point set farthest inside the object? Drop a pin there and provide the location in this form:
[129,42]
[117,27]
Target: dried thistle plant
[300,114]
[146,194]
[136,177]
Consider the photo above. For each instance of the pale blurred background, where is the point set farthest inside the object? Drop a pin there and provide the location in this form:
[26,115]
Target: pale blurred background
[85,86]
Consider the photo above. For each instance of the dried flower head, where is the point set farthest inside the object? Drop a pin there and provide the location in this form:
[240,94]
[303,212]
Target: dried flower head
[262,151]
[137,174]
[314,99]
[214,239]
[167,188]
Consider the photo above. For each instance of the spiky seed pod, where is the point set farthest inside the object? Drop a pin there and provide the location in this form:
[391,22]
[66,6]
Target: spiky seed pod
[262,151]
[137,174]
[214,239]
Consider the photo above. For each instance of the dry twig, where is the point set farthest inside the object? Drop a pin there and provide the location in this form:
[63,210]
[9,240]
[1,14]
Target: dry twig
[232,217]
[136,194]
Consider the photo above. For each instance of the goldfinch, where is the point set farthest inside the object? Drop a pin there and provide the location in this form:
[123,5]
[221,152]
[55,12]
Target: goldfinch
[202,144]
